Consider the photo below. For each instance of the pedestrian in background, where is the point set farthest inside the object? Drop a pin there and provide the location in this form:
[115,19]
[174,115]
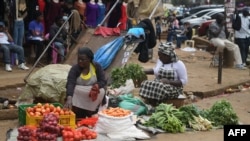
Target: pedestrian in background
[158,29]
[218,39]
[242,36]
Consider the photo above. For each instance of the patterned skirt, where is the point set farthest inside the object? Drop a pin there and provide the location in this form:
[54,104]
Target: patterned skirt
[159,91]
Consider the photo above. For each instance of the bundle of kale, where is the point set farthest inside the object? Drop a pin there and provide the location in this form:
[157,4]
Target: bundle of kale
[222,113]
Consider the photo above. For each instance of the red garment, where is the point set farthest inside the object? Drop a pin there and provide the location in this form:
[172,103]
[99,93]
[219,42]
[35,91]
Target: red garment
[107,31]
[54,10]
[123,19]
[42,4]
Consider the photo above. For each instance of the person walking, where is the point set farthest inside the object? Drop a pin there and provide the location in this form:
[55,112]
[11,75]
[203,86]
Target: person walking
[242,36]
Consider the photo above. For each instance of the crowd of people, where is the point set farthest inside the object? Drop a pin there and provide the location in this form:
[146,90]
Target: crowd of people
[33,24]
[86,81]
[218,37]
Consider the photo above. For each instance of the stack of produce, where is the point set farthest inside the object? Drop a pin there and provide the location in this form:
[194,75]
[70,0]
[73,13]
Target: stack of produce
[26,133]
[116,112]
[165,117]
[171,119]
[49,128]
[43,109]
[84,133]
[109,119]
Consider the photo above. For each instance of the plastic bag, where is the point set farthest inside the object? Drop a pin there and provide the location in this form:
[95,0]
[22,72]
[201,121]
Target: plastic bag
[128,88]
[129,102]
[107,124]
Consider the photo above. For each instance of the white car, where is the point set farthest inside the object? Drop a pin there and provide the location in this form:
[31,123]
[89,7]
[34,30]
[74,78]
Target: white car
[198,14]
[196,22]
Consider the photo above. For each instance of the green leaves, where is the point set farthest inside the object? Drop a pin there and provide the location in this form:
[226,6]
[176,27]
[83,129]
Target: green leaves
[222,113]
[130,71]
[165,118]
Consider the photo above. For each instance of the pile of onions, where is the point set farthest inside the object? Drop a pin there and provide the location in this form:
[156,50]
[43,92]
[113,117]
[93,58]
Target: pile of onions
[49,128]
[26,134]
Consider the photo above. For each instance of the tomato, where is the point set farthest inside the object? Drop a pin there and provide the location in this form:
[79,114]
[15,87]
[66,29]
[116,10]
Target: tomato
[58,109]
[46,105]
[71,135]
[47,110]
[52,107]
[39,105]
[84,137]
[84,129]
[89,137]
[61,112]
[37,114]
[94,135]
[38,109]
[66,112]
[31,114]
[77,137]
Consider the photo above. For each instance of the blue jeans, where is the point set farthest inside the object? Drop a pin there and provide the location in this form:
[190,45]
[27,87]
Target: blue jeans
[61,49]
[180,39]
[171,35]
[18,32]
[243,44]
[8,48]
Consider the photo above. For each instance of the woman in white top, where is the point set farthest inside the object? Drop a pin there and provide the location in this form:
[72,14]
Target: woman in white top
[170,77]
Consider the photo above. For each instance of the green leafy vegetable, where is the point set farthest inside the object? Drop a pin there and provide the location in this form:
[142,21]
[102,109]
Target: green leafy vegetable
[222,113]
[165,118]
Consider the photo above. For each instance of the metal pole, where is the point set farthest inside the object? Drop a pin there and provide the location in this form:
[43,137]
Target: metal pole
[153,12]
[112,8]
[51,41]
[220,68]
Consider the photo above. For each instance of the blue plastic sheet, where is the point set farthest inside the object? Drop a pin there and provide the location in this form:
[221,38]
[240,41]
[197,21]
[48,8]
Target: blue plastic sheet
[106,54]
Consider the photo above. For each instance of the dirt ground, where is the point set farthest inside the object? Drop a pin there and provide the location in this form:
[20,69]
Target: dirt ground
[202,82]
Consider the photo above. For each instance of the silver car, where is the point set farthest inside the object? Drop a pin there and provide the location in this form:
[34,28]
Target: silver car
[198,14]
[196,22]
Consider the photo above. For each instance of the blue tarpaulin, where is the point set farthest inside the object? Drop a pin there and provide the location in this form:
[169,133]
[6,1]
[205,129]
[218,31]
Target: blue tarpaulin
[105,54]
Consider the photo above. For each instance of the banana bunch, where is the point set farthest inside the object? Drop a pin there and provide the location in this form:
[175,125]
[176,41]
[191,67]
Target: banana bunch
[200,124]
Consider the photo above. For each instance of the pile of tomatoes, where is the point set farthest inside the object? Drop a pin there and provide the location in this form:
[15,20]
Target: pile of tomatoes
[84,133]
[43,109]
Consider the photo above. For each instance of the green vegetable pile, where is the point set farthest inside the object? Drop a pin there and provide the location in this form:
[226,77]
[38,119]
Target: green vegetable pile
[165,118]
[170,119]
[222,113]
[130,71]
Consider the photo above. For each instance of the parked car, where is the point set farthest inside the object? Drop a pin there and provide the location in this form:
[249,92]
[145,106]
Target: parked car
[198,14]
[203,7]
[196,22]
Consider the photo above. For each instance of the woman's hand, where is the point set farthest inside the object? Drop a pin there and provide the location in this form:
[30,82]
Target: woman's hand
[165,81]
[68,103]
[93,94]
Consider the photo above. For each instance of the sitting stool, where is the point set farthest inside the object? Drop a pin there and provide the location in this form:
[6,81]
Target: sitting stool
[189,42]
[227,58]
